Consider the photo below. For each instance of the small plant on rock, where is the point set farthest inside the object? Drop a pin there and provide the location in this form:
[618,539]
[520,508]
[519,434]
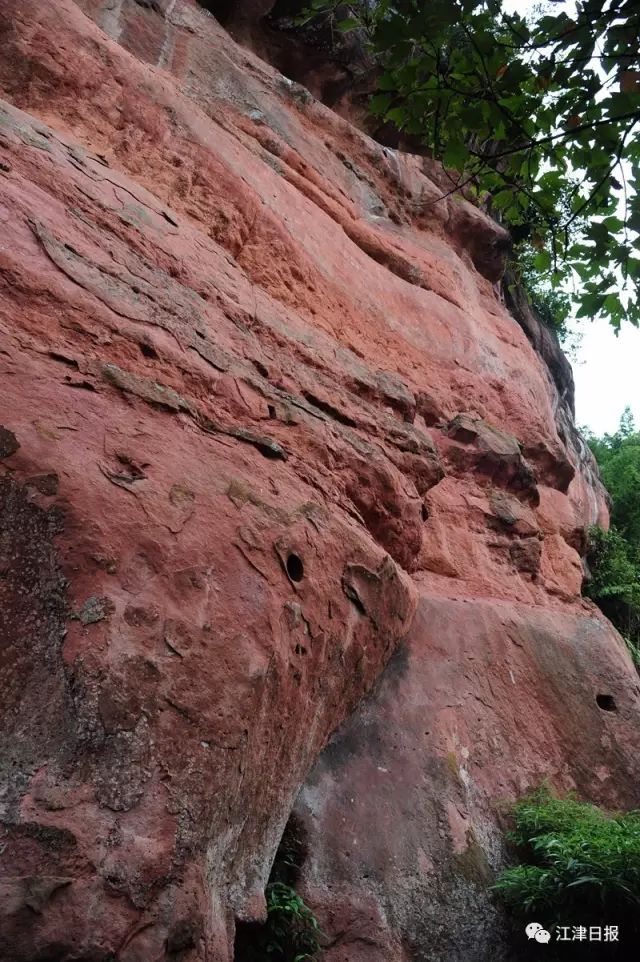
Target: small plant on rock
[292,931]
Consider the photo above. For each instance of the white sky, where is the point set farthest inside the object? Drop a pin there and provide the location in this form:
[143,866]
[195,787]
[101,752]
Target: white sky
[607,375]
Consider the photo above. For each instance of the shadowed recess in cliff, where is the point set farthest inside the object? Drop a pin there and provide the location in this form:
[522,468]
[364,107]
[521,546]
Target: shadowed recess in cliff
[290,931]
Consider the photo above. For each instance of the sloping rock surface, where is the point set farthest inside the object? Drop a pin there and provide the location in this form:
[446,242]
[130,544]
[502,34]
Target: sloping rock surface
[266,424]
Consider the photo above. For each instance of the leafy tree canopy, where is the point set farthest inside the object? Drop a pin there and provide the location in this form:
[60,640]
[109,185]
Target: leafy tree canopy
[540,115]
[619,458]
[614,556]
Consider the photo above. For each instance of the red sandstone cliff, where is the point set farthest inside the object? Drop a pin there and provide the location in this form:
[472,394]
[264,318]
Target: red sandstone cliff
[267,428]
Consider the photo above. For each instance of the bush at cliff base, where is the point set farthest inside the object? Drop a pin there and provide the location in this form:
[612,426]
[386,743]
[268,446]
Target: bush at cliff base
[580,867]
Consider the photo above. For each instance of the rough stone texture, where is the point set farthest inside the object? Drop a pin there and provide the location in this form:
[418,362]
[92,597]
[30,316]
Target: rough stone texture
[404,809]
[265,421]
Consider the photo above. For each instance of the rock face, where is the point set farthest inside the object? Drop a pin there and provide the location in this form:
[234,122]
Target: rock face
[267,428]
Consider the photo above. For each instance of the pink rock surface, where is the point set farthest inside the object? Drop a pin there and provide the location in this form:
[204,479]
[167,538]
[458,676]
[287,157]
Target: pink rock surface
[405,810]
[261,402]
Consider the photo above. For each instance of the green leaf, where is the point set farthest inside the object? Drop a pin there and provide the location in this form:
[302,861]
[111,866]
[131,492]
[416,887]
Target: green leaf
[455,155]
[542,261]
[396,116]
[387,82]
[348,24]
[380,103]
[502,199]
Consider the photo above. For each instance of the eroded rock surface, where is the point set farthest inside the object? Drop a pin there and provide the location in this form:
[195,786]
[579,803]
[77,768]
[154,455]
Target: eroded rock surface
[265,425]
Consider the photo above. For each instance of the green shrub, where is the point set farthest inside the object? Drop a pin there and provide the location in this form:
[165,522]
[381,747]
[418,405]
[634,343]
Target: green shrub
[614,570]
[618,457]
[580,865]
[549,302]
[615,583]
[292,932]
[614,555]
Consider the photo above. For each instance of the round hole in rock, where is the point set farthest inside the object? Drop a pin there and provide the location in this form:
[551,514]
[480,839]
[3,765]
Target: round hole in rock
[606,702]
[147,350]
[295,568]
